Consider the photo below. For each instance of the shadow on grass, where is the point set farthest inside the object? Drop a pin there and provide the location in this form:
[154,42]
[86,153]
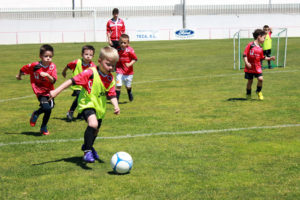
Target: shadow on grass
[76,160]
[241,99]
[65,119]
[38,134]
[123,102]
[116,174]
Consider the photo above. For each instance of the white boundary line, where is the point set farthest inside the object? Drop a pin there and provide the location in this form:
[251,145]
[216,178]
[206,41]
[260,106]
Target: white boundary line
[164,80]
[153,134]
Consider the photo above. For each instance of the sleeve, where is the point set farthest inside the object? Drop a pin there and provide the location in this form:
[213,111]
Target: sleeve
[247,49]
[27,69]
[132,55]
[123,27]
[83,78]
[262,55]
[111,93]
[72,65]
[108,30]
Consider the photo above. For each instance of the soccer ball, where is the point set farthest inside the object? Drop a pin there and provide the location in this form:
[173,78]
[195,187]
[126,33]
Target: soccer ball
[121,162]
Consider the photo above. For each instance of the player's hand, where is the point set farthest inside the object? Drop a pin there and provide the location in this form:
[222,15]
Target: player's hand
[44,74]
[272,58]
[117,111]
[248,65]
[64,74]
[127,64]
[52,95]
[18,77]
[110,43]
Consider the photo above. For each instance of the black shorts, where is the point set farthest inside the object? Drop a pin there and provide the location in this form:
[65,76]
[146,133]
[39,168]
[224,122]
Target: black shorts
[115,44]
[267,53]
[88,112]
[44,102]
[251,75]
[76,93]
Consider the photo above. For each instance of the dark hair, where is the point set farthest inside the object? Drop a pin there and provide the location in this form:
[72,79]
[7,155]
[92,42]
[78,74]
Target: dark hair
[46,47]
[258,32]
[88,47]
[125,36]
[266,26]
[115,11]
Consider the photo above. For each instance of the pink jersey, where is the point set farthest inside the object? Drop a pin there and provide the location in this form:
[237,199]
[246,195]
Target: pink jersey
[85,79]
[115,28]
[125,56]
[72,65]
[41,85]
[254,55]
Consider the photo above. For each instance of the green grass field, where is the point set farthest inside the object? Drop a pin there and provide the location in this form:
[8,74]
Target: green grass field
[193,135]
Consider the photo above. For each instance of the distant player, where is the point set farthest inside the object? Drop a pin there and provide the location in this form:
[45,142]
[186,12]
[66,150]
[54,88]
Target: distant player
[115,27]
[253,55]
[77,66]
[98,86]
[267,45]
[124,67]
[42,77]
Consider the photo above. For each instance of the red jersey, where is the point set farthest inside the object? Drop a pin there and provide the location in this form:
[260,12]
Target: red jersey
[41,85]
[115,28]
[72,65]
[254,55]
[85,79]
[125,56]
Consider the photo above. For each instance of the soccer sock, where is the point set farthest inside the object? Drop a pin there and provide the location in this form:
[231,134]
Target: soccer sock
[129,91]
[118,94]
[46,117]
[258,89]
[248,91]
[89,137]
[74,104]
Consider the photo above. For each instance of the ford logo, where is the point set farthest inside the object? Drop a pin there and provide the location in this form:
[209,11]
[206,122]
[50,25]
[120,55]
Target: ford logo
[185,33]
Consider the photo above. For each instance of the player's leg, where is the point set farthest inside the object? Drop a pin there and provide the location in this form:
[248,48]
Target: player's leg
[119,82]
[73,106]
[268,53]
[128,82]
[260,79]
[89,134]
[46,106]
[249,77]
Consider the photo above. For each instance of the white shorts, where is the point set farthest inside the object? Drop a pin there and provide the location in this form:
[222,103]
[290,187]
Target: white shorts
[126,79]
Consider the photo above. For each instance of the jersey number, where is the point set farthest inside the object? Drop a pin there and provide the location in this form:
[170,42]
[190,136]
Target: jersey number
[36,75]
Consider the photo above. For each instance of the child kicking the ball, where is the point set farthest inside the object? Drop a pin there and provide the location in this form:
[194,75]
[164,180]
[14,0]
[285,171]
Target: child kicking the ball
[77,66]
[42,77]
[253,55]
[98,85]
[124,67]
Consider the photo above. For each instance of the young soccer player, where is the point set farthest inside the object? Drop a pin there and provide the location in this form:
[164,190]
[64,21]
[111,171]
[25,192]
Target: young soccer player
[267,45]
[98,84]
[77,66]
[253,55]
[124,67]
[42,77]
[114,28]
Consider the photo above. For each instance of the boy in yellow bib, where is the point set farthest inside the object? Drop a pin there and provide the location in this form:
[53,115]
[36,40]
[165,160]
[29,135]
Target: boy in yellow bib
[267,45]
[98,85]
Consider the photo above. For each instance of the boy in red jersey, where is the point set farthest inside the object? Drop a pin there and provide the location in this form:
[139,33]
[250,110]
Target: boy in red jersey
[97,85]
[124,67]
[77,66]
[253,55]
[42,77]
[115,27]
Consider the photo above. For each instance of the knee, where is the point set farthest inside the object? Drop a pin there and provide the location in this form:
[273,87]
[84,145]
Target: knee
[93,124]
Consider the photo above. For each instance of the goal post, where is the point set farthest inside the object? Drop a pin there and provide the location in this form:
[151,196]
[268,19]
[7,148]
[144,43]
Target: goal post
[279,47]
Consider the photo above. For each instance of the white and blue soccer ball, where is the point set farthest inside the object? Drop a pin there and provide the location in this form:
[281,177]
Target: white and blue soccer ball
[121,162]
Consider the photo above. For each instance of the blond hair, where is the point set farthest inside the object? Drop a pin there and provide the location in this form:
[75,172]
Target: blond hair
[109,53]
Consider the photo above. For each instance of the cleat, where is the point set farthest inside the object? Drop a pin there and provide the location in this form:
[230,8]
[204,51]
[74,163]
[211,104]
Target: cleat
[44,130]
[33,119]
[88,157]
[70,116]
[248,96]
[130,97]
[260,96]
[95,154]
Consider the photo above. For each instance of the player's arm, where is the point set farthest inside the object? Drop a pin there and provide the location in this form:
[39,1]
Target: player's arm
[26,69]
[248,65]
[19,75]
[108,33]
[114,102]
[270,58]
[59,89]
[50,78]
[64,72]
[130,63]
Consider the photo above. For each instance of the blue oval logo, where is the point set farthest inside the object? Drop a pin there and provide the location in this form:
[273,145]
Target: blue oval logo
[184,32]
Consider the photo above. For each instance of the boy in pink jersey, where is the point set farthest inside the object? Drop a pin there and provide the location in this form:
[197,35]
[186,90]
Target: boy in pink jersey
[42,77]
[78,66]
[115,27]
[124,67]
[253,55]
